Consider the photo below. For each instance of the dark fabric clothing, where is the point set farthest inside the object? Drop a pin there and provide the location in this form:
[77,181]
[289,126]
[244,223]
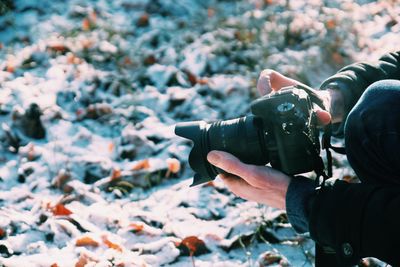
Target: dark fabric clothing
[360,220]
[354,79]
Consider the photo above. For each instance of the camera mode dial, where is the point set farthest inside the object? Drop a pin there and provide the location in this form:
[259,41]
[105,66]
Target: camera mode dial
[286,108]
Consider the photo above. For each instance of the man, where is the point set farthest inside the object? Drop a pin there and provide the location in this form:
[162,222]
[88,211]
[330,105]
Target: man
[356,220]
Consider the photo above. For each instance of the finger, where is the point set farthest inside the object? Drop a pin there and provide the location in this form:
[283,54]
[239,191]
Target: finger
[229,163]
[324,117]
[270,80]
[242,189]
[256,176]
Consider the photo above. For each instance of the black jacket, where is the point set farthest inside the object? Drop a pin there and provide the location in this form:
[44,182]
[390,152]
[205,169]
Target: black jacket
[358,220]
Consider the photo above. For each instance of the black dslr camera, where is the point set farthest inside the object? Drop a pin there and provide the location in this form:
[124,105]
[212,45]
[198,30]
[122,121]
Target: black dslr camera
[282,130]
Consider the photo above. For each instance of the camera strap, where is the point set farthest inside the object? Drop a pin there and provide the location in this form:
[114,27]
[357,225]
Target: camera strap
[326,139]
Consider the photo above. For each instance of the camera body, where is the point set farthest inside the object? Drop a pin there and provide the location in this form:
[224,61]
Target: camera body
[289,128]
[282,130]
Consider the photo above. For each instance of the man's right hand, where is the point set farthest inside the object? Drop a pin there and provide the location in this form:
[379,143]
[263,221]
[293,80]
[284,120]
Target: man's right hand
[270,80]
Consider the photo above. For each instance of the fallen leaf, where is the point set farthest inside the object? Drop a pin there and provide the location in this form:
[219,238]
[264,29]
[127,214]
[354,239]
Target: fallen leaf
[111,245]
[86,241]
[57,46]
[337,58]
[54,265]
[330,24]
[136,227]
[174,165]
[143,20]
[2,233]
[82,261]
[111,147]
[10,66]
[149,60]
[60,209]
[210,12]
[86,25]
[73,59]
[61,179]
[269,258]
[116,174]
[192,246]
[143,164]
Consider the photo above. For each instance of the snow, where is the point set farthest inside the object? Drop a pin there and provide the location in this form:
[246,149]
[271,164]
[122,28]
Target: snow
[111,78]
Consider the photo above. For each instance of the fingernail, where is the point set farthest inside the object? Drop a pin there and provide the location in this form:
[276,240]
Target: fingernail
[263,85]
[213,157]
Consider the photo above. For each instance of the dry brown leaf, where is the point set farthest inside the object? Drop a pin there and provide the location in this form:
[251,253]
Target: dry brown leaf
[82,261]
[73,59]
[174,165]
[110,244]
[143,164]
[269,258]
[337,58]
[57,46]
[150,60]
[193,246]
[143,20]
[86,25]
[54,265]
[136,227]
[10,66]
[116,174]
[210,12]
[2,233]
[86,241]
[60,209]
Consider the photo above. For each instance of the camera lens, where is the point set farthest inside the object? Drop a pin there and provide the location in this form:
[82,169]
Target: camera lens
[242,137]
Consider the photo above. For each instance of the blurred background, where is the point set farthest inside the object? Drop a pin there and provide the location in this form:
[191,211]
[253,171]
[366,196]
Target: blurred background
[91,173]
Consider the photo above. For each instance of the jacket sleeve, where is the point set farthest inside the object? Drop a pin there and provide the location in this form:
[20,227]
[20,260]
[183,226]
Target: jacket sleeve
[357,220]
[352,80]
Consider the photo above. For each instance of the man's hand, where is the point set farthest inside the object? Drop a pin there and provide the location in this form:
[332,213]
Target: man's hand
[259,183]
[255,183]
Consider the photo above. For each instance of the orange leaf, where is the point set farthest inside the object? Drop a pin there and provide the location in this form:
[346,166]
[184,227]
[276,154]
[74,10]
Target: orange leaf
[330,24]
[54,265]
[111,147]
[60,209]
[136,227]
[2,233]
[210,12]
[111,244]
[116,173]
[10,66]
[143,164]
[86,241]
[82,261]
[174,165]
[57,46]
[86,24]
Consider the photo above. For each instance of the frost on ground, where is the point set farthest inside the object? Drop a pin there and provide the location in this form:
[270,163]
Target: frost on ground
[91,173]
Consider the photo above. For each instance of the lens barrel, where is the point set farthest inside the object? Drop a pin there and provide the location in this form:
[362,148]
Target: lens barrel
[243,137]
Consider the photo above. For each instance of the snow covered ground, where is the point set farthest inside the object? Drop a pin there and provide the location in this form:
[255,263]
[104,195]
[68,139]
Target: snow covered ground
[102,180]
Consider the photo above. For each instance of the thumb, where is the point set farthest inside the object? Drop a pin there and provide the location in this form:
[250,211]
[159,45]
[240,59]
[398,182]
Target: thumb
[270,80]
